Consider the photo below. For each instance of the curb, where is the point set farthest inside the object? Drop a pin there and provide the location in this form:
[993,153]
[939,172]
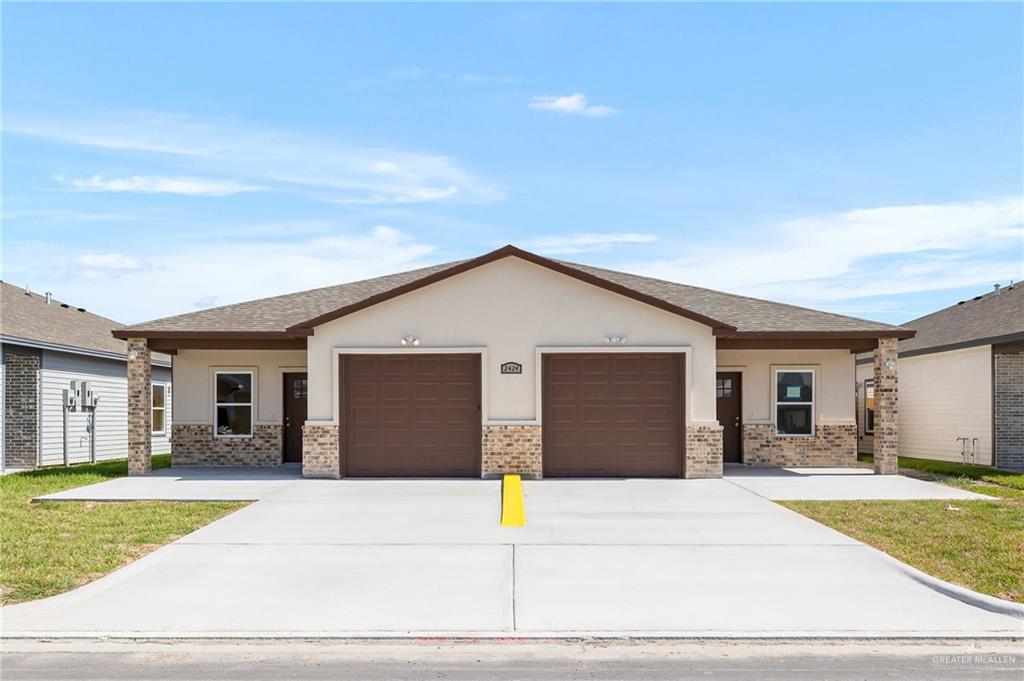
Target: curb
[962,594]
[520,636]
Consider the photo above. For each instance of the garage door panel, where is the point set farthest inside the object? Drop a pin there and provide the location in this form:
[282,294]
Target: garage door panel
[592,391]
[414,416]
[612,415]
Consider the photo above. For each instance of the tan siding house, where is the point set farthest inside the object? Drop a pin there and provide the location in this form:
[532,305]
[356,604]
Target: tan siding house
[961,385]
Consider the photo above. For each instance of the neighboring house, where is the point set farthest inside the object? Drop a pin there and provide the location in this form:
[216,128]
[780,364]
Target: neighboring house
[961,384]
[47,344]
[511,362]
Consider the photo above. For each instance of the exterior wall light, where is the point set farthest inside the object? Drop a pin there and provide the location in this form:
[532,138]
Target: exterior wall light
[615,340]
[890,364]
[410,340]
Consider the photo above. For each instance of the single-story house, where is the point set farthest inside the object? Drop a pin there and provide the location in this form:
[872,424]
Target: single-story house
[64,385]
[961,384]
[512,363]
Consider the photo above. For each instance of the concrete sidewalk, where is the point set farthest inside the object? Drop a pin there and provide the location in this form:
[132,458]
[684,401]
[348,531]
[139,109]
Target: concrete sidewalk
[187,484]
[672,558]
[834,484]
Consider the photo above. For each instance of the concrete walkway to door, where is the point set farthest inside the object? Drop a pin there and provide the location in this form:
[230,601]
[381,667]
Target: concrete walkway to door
[404,557]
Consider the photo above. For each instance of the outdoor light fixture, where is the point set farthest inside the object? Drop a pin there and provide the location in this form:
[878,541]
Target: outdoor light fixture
[890,364]
[615,340]
[410,340]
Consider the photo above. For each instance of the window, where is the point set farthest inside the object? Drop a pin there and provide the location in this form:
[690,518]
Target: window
[723,387]
[159,426]
[233,417]
[794,402]
[869,407]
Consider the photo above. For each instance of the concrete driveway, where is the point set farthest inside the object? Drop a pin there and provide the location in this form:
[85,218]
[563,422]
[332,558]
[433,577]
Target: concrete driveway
[637,557]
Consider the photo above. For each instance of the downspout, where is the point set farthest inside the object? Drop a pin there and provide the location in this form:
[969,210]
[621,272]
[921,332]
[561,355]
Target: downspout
[92,436]
[64,436]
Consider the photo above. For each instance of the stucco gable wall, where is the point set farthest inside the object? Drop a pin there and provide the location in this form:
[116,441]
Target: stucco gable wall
[511,307]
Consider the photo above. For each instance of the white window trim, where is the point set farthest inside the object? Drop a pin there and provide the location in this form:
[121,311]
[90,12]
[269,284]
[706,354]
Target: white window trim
[871,382]
[152,390]
[775,399]
[251,404]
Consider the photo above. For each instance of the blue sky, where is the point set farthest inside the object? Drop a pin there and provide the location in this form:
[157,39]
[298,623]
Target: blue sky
[864,159]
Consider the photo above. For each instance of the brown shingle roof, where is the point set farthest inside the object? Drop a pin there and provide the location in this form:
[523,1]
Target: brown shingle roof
[28,317]
[980,319]
[748,315]
[284,314]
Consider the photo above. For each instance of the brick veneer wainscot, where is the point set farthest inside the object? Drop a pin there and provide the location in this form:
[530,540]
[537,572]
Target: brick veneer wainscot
[140,408]
[1009,409]
[21,406]
[831,445]
[512,449]
[193,444]
[321,451]
[703,452]
[886,407]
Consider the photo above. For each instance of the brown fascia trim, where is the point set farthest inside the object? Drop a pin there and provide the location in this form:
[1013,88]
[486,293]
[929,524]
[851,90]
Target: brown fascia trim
[894,332]
[997,343]
[125,334]
[855,345]
[171,345]
[718,327]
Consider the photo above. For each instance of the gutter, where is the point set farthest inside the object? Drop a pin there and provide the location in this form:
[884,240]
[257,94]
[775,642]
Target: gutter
[70,349]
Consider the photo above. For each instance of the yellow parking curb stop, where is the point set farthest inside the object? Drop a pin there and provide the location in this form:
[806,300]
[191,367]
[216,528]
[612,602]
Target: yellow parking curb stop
[513,513]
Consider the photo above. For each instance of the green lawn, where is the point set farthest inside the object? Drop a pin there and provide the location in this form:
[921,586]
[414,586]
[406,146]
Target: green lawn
[51,547]
[942,469]
[978,544]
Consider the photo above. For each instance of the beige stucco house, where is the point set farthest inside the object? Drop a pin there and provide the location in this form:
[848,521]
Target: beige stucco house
[961,384]
[512,362]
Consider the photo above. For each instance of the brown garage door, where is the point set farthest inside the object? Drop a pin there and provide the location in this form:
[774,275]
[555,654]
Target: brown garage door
[411,415]
[613,415]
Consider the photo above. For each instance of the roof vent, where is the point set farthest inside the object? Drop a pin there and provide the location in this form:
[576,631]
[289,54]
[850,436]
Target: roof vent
[64,305]
[49,297]
[81,309]
[995,288]
[28,290]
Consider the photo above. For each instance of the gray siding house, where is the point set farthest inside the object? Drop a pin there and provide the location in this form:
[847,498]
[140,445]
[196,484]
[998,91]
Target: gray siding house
[50,348]
[961,384]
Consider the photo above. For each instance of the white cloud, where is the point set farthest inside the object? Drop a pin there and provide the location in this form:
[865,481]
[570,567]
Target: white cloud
[268,157]
[189,186]
[585,243]
[575,103]
[175,276]
[884,251]
[102,264]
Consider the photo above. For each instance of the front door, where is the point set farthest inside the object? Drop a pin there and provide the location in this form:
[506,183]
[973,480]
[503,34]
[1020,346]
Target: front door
[295,399]
[730,409]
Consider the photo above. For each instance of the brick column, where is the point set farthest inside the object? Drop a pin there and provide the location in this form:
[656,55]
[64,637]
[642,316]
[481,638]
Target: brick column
[886,407]
[21,406]
[140,405]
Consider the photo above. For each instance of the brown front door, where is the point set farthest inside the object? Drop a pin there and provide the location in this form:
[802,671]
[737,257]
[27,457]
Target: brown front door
[410,415]
[728,394]
[295,401]
[613,415]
